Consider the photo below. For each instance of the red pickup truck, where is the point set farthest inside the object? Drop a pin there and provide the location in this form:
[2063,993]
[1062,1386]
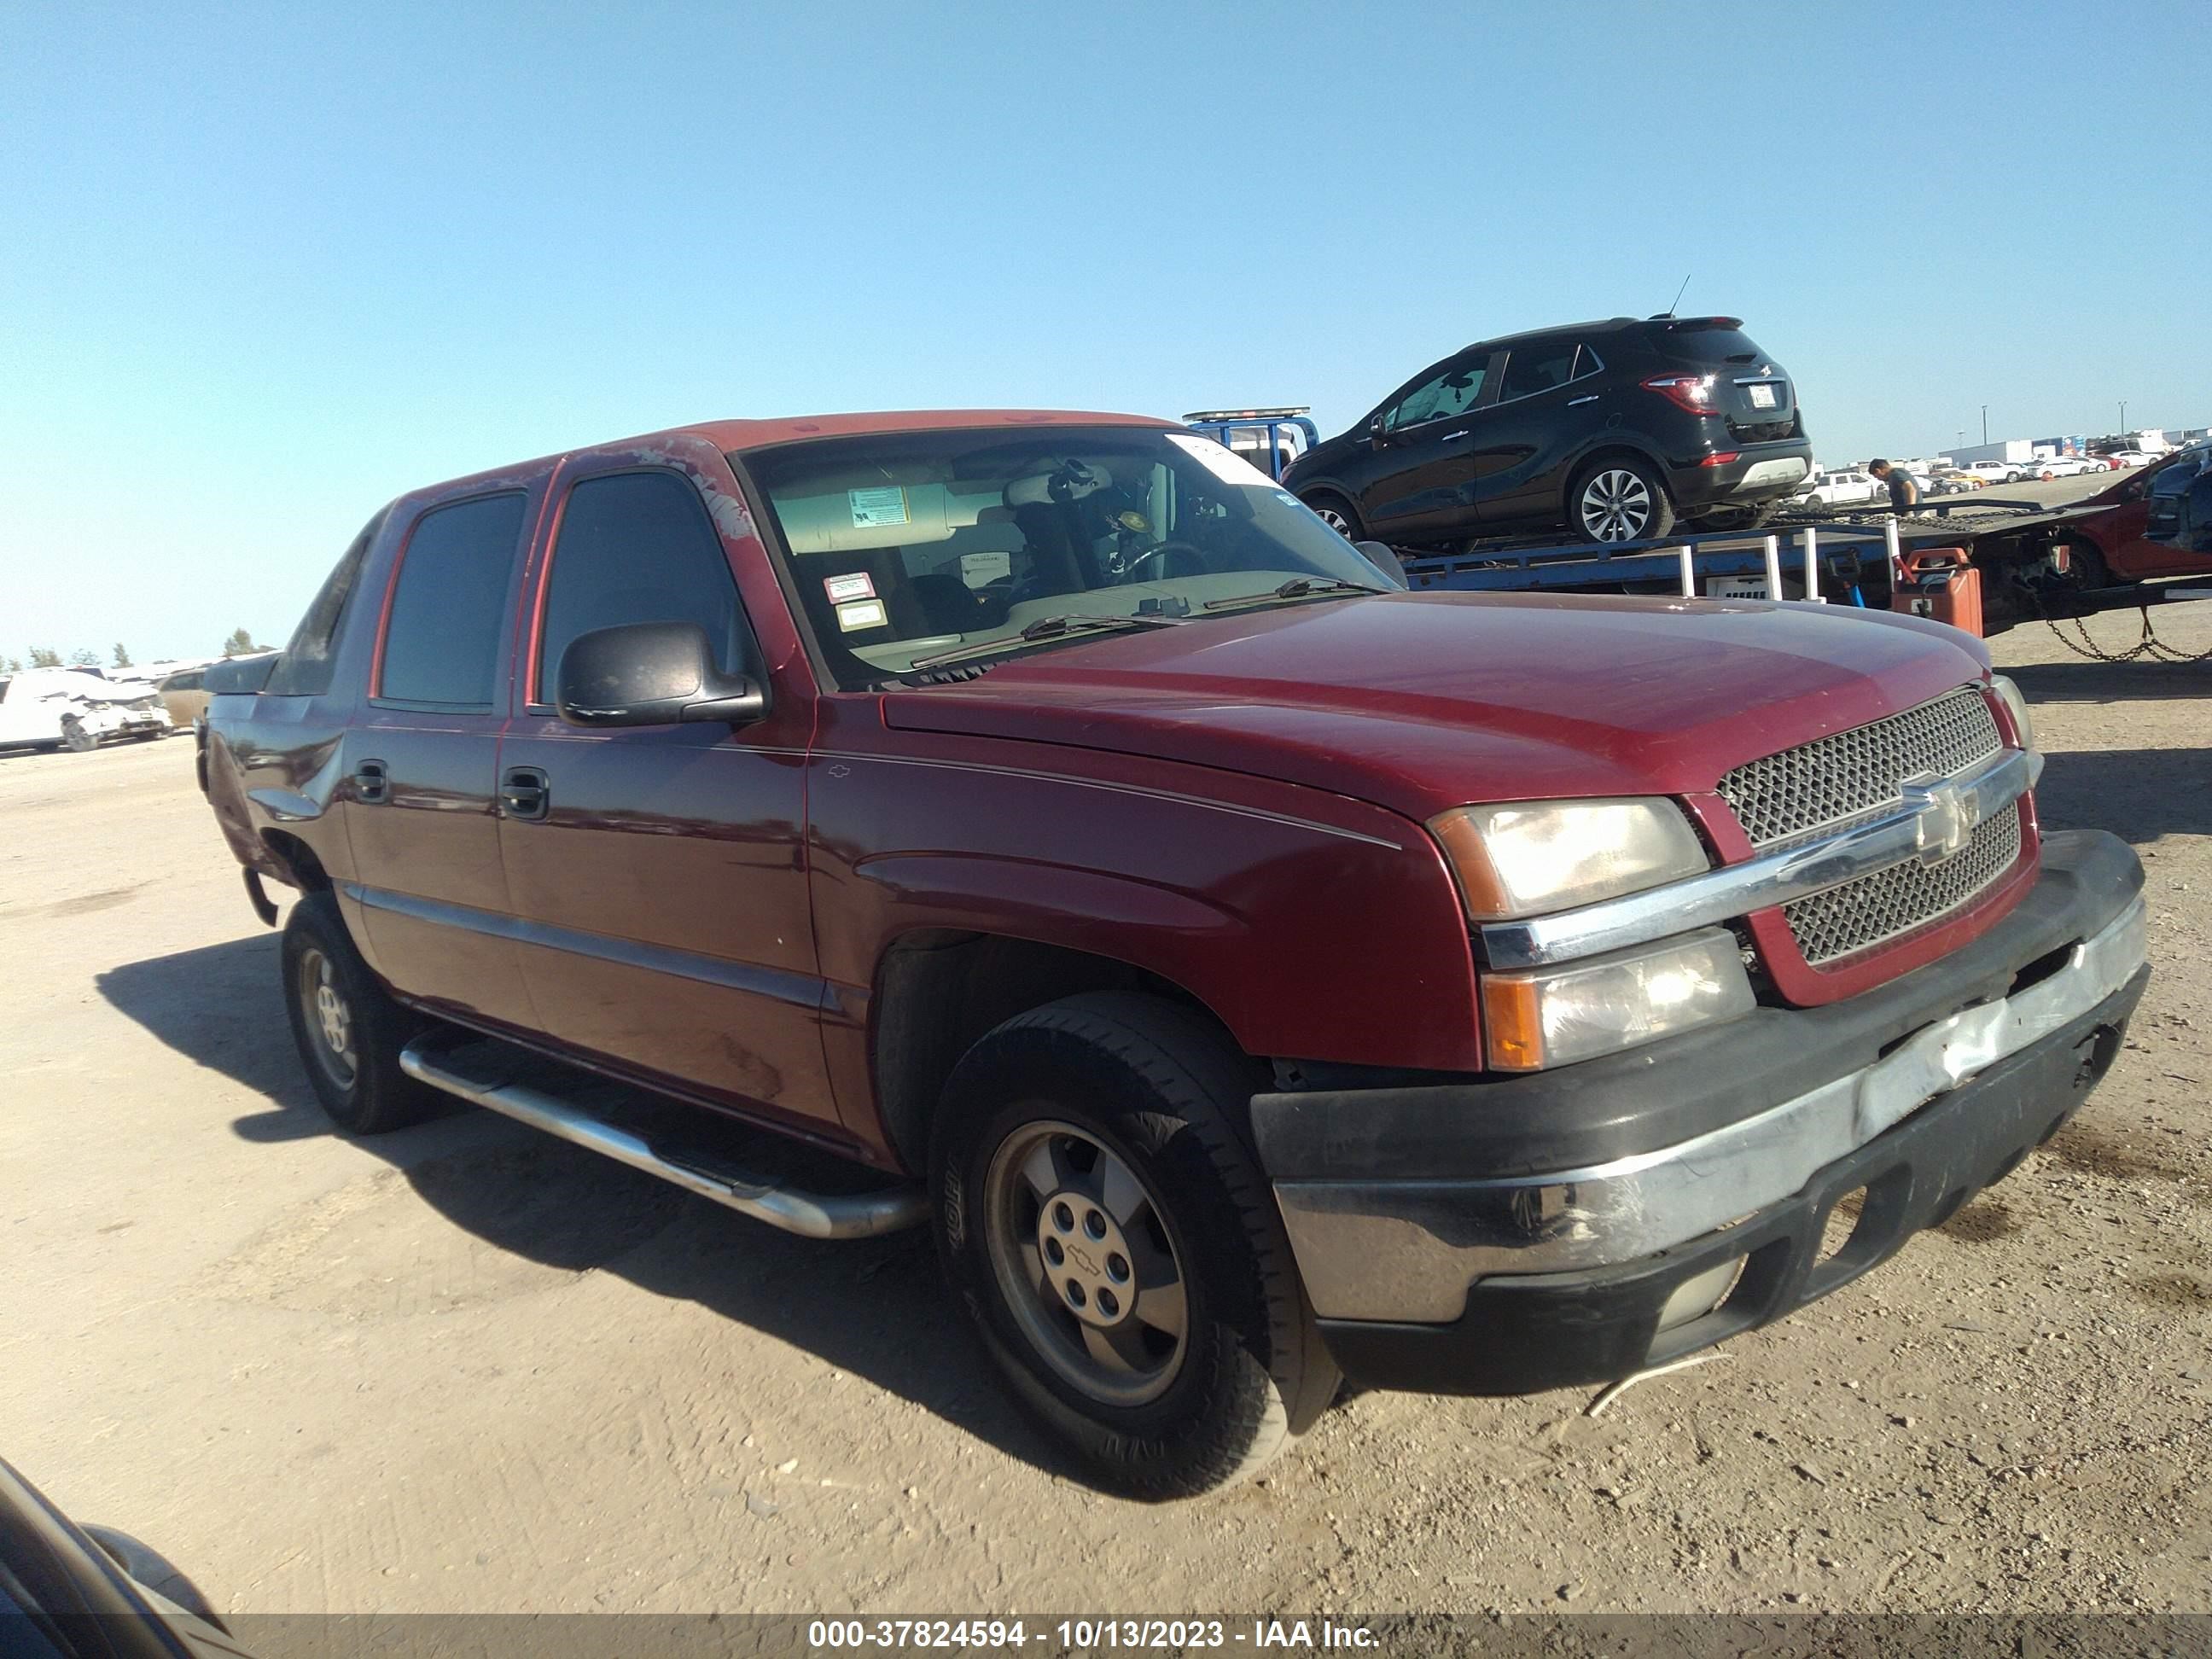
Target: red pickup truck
[1255,974]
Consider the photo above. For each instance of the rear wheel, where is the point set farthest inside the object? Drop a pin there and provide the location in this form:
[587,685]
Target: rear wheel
[1337,513]
[77,737]
[1619,499]
[349,1029]
[1117,1247]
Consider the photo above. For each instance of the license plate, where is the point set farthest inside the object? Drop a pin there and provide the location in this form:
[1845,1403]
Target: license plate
[1762,397]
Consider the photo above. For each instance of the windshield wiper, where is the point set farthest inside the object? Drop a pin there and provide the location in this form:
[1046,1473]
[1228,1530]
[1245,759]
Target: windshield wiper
[1296,588]
[1046,628]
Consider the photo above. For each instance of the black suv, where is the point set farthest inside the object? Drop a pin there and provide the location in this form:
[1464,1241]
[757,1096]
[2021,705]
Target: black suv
[1612,431]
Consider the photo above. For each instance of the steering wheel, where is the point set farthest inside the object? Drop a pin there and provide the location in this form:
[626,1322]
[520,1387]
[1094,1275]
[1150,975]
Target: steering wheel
[1195,554]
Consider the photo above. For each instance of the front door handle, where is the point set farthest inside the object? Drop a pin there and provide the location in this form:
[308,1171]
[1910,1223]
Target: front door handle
[1454,437]
[524,793]
[371,783]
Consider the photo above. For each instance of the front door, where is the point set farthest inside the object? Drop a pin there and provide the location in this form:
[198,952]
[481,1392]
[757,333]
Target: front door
[657,873]
[1423,468]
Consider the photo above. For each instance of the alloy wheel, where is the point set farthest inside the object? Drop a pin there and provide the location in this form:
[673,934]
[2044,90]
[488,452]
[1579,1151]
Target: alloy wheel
[1616,505]
[328,1017]
[1335,521]
[1084,1261]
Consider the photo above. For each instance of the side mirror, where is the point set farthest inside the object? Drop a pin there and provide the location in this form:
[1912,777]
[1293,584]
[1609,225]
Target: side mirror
[1377,433]
[1385,559]
[651,674]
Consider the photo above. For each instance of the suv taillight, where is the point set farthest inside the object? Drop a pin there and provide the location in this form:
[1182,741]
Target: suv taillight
[1692,391]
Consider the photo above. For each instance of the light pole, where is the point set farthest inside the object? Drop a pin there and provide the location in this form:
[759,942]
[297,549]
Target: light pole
[1985,423]
[2123,414]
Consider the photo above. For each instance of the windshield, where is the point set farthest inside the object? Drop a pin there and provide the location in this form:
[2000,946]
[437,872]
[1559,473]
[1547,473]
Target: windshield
[907,546]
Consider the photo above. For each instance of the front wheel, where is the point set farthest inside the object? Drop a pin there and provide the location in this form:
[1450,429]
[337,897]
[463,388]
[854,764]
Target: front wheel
[1338,514]
[1117,1247]
[1619,500]
[77,738]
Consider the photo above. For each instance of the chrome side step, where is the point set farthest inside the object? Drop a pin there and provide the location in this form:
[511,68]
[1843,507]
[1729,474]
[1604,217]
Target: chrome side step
[809,1214]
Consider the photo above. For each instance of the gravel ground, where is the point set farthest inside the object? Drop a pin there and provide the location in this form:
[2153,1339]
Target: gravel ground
[470,1368]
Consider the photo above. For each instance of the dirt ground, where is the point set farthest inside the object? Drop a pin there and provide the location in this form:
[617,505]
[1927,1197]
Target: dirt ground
[470,1368]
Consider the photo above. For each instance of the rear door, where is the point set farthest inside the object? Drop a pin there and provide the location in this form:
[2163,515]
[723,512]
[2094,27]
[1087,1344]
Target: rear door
[658,874]
[1425,469]
[1523,443]
[421,758]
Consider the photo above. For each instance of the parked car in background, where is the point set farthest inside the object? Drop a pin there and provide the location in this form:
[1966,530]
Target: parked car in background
[1254,973]
[1847,488]
[184,694]
[1994,473]
[75,708]
[1952,481]
[1612,431]
[2112,545]
[2126,458]
[2063,466]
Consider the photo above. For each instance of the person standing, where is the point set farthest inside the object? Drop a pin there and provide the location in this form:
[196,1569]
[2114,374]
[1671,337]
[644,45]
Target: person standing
[1903,494]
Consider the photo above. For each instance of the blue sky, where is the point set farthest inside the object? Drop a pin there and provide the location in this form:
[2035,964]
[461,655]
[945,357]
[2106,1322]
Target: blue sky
[261,269]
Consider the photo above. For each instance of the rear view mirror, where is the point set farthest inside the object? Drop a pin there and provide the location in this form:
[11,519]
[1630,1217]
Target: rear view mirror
[651,674]
[1375,434]
[1384,558]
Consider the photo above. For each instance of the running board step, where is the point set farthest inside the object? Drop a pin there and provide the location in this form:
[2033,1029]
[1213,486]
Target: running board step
[492,1074]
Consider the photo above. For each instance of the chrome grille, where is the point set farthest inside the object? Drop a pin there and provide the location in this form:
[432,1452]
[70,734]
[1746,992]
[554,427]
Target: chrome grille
[1818,784]
[1862,914]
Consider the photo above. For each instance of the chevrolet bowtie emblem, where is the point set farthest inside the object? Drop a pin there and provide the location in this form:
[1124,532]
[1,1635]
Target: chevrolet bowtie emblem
[1945,822]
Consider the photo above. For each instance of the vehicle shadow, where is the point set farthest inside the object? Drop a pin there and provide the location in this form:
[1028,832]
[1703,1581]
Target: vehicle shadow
[2139,794]
[2089,681]
[873,1308]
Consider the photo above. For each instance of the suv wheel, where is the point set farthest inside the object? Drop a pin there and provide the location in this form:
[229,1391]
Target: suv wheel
[1338,514]
[75,738]
[1619,500]
[349,1029]
[1118,1248]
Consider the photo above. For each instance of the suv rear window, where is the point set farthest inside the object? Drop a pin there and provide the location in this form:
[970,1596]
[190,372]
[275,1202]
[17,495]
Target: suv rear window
[1694,344]
[442,643]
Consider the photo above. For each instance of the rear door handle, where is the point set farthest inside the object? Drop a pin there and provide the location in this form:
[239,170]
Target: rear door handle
[371,783]
[1591,399]
[525,793]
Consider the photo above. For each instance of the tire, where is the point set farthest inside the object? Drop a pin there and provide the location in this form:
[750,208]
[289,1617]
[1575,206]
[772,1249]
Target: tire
[1618,499]
[1101,1130]
[75,739]
[1338,514]
[349,1029]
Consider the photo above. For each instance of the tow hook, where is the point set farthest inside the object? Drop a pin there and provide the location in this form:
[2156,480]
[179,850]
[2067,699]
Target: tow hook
[262,905]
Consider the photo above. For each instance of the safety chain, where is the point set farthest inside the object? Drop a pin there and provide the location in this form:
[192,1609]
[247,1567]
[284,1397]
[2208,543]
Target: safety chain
[2149,647]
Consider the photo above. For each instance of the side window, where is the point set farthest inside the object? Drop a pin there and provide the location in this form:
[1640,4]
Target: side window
[1587,363]
[638,547]
[442,643]
[1537,368]
[1452,391]
[304,670]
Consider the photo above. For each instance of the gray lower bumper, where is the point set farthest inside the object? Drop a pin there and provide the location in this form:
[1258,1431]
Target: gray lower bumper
[1407,1249]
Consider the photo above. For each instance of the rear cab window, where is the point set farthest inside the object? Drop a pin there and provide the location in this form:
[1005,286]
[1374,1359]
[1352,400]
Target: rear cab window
[441,636]
[304,670]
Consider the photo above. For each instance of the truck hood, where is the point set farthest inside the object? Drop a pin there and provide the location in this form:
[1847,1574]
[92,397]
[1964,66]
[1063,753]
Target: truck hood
[1422,702]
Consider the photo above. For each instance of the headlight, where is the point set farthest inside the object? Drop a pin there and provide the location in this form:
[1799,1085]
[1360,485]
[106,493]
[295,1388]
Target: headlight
[1532,1021]
[2017,706]
[1527,859]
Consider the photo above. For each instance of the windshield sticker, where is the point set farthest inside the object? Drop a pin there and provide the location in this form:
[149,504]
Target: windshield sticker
[874,508]
[866,613]
[1287,499]
[860,585]
[1223,464]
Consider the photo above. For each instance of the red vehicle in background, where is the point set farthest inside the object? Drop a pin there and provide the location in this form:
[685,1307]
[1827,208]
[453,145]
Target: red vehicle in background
[2116,532]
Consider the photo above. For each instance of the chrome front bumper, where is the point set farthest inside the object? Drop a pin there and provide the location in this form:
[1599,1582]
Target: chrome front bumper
[1408,1250]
